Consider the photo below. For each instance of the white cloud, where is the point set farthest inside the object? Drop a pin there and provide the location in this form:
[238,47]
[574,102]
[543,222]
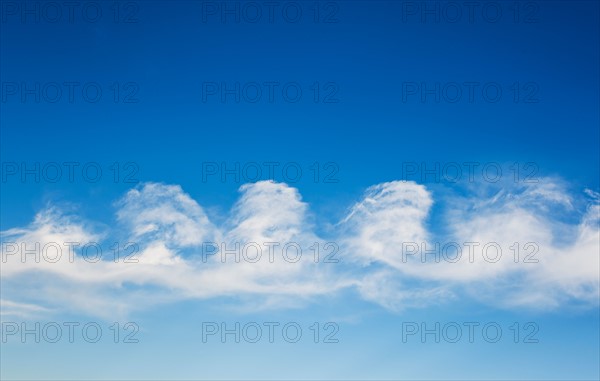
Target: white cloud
[386,288]
[166,224]
[565,266]
[170,228]
[165,212]
[388,215]
[12,309]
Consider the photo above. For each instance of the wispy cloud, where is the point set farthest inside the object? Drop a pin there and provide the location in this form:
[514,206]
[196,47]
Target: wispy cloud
[171,230]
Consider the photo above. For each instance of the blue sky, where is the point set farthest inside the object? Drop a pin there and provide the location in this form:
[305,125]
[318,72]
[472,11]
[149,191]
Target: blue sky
[356,95]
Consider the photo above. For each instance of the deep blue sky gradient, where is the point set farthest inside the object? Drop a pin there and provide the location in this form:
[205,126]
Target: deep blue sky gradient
[368,53]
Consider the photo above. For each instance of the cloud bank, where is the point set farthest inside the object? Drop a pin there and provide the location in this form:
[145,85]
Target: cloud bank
[510,246]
